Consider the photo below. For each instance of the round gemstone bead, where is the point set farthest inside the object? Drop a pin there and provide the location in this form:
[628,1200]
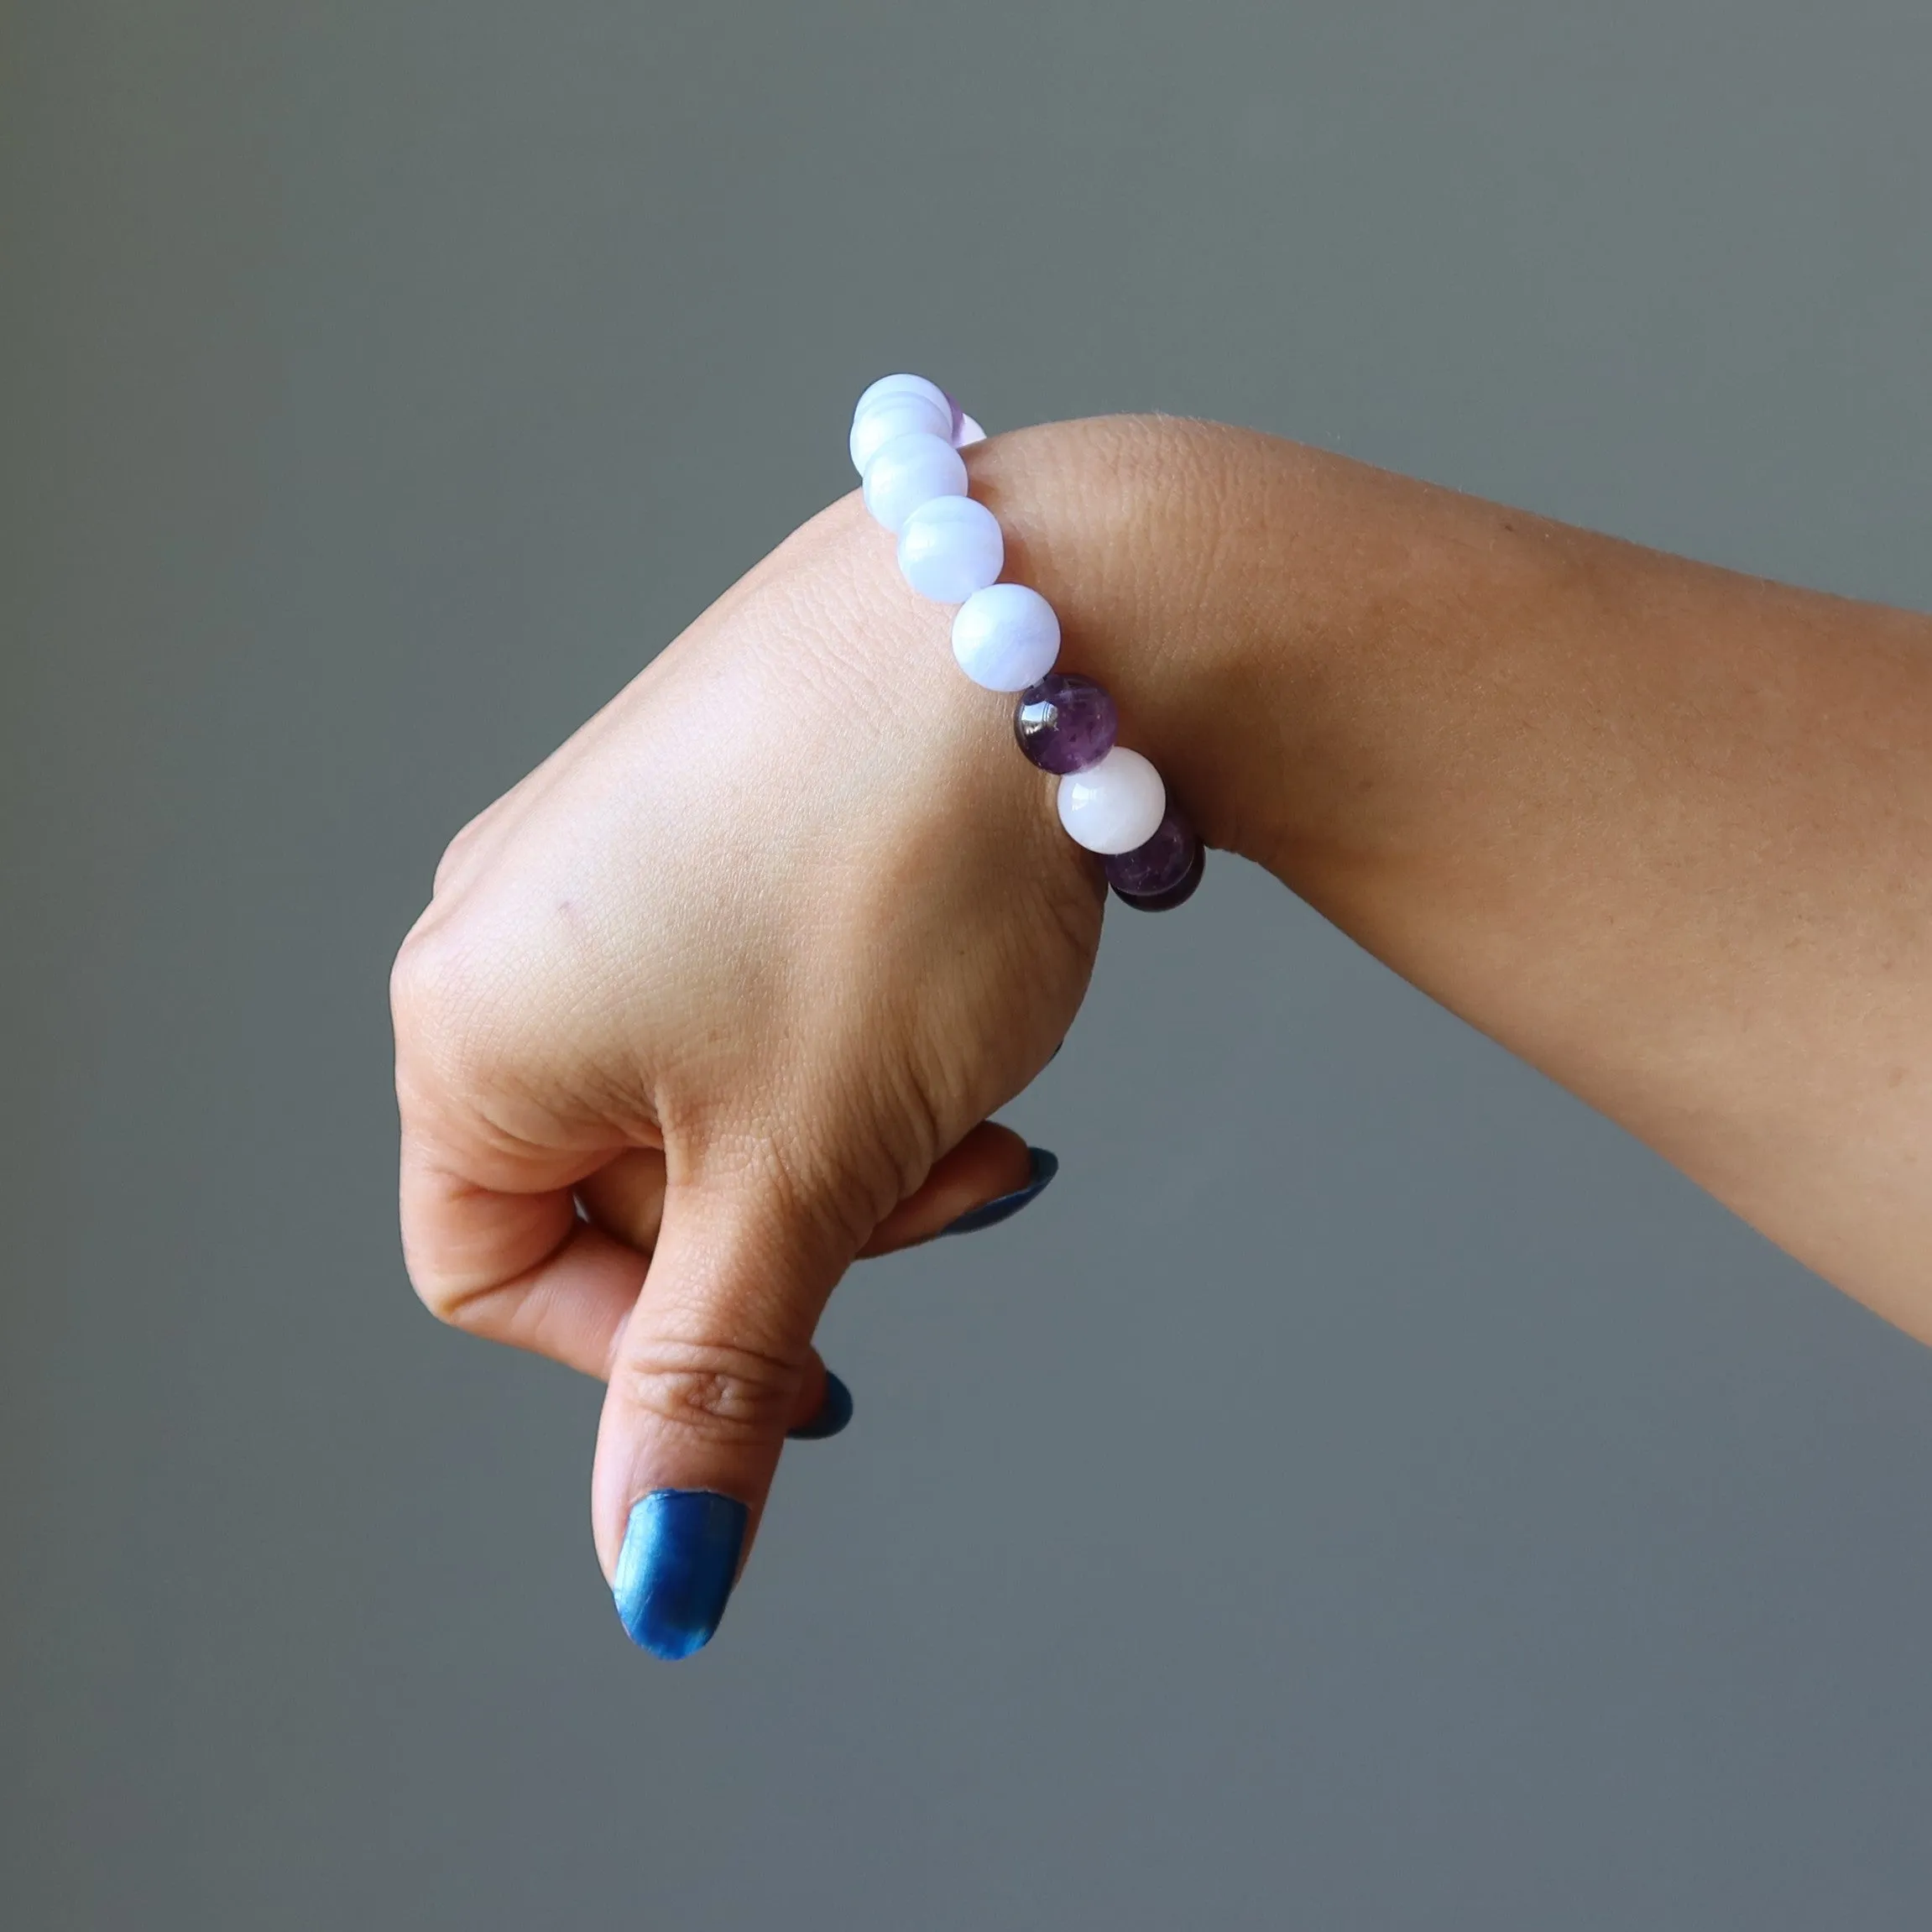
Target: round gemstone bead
[892,416]
[1065,723]
[911,471]
[951,546]
[1113,806]
[1006,637]
[1161,863]
[1177,895]
[898,385]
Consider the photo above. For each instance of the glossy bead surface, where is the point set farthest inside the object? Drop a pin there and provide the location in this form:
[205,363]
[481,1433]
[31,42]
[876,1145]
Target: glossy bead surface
[1161,863]
[899,413]
[1065,723]
[1113,806]
[1177,895]
[911,471]
[901,384]
[1006,637]
[951,546]
[967,432]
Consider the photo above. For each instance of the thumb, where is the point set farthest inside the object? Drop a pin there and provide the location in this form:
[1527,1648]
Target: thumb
[706,1378]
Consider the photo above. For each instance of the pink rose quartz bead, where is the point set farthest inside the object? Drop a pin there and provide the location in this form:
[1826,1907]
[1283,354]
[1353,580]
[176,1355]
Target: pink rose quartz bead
[1113,806]
[965,431]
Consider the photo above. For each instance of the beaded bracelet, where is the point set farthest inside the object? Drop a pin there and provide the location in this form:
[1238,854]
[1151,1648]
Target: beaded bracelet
[906,435]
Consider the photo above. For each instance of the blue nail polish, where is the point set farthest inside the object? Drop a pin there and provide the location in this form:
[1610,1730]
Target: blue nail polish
[991,1214]
[833,1413]
[677,1568]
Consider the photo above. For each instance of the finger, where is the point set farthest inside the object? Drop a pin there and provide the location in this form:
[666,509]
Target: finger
[825,1406]
[469,1255]
[494,1246]
[714,1367]
[625,1197]
[991,1169]
[992,1173]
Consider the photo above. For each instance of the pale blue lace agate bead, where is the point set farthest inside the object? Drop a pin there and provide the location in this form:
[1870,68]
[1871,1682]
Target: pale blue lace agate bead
[1162,872]
[1006,637]
[900,385]
[908,472]
[1066,722]
[898,406]
[951,546]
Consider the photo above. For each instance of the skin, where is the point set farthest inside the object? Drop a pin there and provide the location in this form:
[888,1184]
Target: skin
[743,968]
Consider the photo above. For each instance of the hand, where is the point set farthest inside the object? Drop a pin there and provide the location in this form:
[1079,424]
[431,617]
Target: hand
[716,999]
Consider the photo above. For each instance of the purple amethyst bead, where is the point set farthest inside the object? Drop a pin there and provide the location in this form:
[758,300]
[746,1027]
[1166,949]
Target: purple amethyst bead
[1164,870]
[1175,894]
[1066,722]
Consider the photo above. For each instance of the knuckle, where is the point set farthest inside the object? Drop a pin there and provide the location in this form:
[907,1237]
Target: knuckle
[831,1183]
[723,1390]
[457,1296]
[466,845]
[436,993]
[419,979]
[451,860]
[450,1299]
[464,1307]
[443,1299]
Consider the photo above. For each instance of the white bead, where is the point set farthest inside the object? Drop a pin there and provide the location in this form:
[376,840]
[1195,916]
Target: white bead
[908,472]
[901,385]
[967,433]
[899,413]
[1113,806]
[1006,637]
[951,547]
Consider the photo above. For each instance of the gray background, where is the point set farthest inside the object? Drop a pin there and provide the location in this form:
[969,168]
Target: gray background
[1368,1490]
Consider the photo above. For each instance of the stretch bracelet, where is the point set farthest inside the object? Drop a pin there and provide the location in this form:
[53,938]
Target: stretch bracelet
[906,436]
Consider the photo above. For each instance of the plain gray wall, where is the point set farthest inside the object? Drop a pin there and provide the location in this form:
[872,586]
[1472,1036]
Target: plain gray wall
[1367,1490]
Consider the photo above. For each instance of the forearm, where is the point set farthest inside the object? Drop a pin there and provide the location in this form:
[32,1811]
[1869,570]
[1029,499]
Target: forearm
[1663,830]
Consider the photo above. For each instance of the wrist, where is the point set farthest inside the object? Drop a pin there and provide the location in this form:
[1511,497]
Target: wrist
[1160,543]
[1300,642]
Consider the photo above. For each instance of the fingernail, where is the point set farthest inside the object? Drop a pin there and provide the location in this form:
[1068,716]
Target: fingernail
[677,1568]
[990,1214]
[833,1413]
